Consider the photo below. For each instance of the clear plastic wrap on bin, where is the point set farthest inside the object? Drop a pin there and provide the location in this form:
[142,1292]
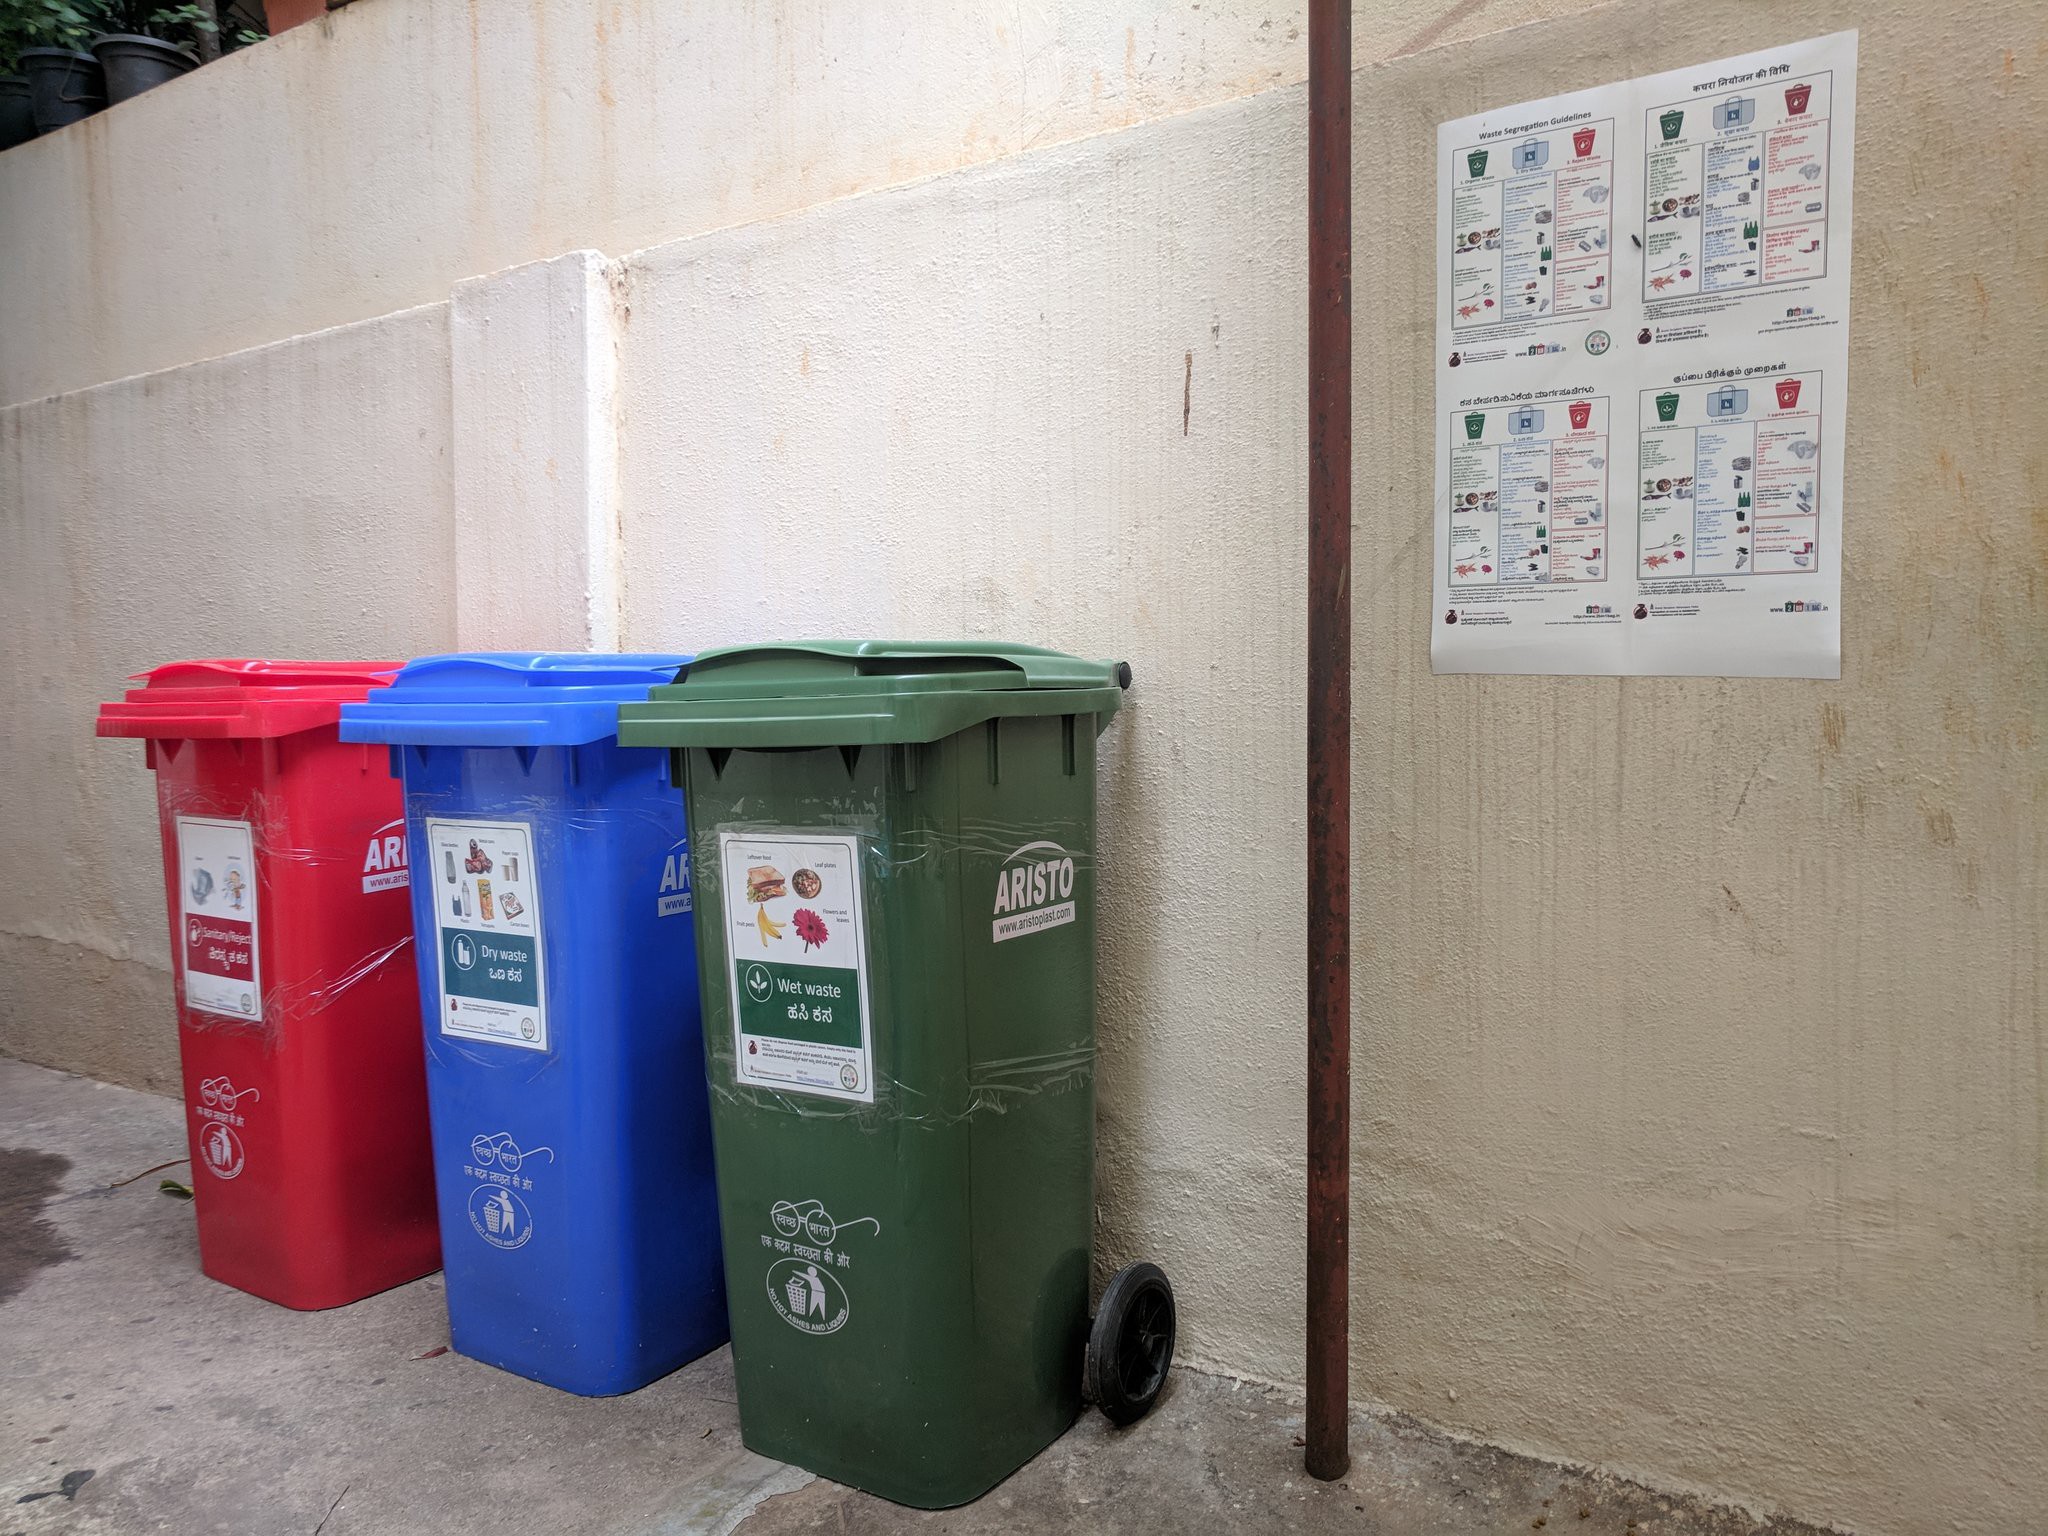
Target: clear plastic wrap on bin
[986,1084]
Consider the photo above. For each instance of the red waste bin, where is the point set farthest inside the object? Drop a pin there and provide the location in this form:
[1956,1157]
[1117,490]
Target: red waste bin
[298,1009]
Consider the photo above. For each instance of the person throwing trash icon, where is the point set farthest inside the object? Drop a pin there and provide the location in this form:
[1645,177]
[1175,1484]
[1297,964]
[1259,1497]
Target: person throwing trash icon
[506,1220]
[807,1292]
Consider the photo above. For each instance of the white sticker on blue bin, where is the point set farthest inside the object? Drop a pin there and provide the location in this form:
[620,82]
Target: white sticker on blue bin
[487,919]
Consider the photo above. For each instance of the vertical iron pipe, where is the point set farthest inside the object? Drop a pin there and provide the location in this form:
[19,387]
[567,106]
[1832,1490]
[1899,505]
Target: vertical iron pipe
[1328,1455]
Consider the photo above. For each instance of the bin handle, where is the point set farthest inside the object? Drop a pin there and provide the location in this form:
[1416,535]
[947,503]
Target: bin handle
[503,733]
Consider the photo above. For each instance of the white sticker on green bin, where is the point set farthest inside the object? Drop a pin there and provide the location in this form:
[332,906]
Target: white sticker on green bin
[487,920]
[796,942]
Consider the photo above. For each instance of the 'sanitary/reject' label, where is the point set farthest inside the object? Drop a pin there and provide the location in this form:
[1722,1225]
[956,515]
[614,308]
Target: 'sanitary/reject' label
[217,915]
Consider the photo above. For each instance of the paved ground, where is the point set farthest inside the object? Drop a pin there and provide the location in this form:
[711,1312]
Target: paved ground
[137,1396]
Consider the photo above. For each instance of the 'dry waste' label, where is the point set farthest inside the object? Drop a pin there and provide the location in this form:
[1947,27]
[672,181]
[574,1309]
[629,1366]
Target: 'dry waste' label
[798,966]
[487,910]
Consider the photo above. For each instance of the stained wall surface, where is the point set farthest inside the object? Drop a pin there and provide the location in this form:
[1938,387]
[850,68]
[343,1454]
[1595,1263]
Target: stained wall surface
[1703,1085]
[369,161]
[287,501]
[1700,1037]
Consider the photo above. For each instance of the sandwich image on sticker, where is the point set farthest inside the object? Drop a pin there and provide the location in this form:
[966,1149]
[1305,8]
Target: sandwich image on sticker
[764,883]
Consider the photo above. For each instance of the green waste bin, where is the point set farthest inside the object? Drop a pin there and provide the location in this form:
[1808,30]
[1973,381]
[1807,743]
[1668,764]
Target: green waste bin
[893,854]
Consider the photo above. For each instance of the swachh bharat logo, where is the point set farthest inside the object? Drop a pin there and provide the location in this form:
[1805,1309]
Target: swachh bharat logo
[1034,891]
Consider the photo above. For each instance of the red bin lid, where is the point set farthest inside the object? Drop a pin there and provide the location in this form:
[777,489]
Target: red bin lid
[235,697]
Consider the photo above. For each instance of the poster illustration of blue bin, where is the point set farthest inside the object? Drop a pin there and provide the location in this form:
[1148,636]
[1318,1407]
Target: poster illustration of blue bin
[1528,419]
[1735,112]
[1727,401]
[1531,155]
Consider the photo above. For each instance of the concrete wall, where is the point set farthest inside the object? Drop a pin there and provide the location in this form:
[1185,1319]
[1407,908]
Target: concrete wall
[1701,1073]
[293,500]
[1703,1090]
[1702,1065]
[369,161]
[1066,405]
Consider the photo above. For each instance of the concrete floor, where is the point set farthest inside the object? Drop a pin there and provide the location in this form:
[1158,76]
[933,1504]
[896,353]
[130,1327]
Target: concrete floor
[136,1395]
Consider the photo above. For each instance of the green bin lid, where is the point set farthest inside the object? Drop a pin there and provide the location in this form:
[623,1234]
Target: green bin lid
[844,693]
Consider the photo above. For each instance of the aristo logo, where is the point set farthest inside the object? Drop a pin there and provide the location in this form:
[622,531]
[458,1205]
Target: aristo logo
[673,898]
[1034,891]
[384,864]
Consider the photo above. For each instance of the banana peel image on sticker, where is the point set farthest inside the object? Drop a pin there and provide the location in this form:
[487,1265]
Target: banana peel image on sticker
[770,929]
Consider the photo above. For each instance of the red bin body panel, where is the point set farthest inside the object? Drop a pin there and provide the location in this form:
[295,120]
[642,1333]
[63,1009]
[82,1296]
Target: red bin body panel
[298,1006]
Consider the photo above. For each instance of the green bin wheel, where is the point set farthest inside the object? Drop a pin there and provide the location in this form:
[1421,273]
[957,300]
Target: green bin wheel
[1130,1345]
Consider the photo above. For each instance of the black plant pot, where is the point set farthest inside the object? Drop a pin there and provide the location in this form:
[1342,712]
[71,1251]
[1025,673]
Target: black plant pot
[133,64]
[17,118]
[64,85]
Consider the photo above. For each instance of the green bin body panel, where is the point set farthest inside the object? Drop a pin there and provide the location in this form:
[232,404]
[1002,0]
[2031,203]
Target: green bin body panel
[908,1277]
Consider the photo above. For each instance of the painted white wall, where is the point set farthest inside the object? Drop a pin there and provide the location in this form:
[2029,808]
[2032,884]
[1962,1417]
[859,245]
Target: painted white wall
[534,442]
[288,501]
[369,161]
[1703,1073]
[1702,1055]
[1702,1084]
[1057,400]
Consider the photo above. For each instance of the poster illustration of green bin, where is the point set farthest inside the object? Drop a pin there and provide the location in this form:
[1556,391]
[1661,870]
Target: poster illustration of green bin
[1475,425]
[1667,407]
[1672,123]
[1475,162]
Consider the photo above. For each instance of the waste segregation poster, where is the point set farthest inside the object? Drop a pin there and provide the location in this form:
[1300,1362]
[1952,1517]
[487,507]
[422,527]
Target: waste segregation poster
[1642,356]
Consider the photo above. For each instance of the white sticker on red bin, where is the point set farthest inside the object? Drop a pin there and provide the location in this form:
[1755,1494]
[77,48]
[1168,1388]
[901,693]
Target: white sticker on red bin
[218,921]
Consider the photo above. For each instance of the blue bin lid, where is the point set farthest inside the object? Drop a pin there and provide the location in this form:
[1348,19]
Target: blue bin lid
[507,699]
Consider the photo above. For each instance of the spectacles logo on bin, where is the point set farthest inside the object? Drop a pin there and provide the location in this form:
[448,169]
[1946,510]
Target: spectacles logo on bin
[1034,890]
[384,864]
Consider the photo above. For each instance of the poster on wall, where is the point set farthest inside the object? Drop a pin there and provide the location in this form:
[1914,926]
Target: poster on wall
[1642,373]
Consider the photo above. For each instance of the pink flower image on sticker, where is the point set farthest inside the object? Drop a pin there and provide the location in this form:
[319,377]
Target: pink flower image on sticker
[811,928]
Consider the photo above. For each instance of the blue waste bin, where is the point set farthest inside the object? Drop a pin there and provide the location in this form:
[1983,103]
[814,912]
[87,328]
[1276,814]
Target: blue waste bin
[558,984]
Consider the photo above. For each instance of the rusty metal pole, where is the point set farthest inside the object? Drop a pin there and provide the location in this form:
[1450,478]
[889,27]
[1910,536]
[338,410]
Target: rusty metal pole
[1329,739]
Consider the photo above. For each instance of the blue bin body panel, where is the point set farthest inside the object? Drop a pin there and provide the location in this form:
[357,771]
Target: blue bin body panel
[579,1213]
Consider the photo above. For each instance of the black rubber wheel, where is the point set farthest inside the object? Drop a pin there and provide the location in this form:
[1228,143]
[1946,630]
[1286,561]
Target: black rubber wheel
[1130,1346]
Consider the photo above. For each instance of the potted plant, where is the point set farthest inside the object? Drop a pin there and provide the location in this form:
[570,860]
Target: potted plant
[141,46]
[17,118]
[64,81]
